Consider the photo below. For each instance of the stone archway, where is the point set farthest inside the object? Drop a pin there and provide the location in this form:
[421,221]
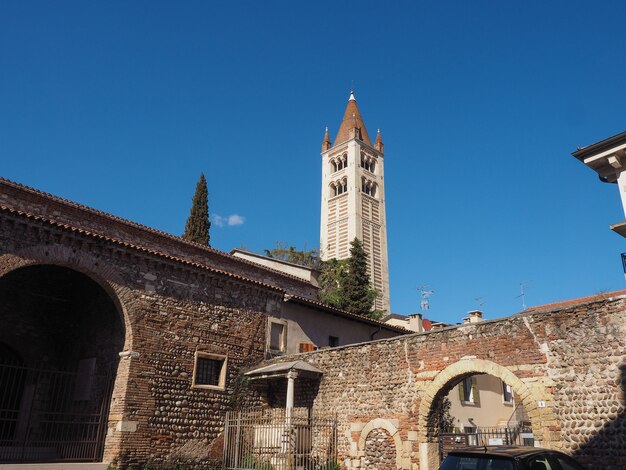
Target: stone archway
[384,442]
[453,373]
[105,276]
[69,331]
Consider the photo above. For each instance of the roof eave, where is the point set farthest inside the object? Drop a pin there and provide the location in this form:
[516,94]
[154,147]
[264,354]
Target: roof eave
[600,146]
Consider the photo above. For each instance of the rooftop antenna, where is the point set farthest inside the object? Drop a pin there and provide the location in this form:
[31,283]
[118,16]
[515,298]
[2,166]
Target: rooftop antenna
[523,287]
[425,294]
[481,301]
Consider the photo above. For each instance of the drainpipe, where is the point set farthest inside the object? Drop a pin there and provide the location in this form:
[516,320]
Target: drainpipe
[375,333]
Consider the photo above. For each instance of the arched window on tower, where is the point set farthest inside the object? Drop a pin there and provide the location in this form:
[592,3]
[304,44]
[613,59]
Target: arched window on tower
[333,166]
[338,187]
[368,187]
[368,163]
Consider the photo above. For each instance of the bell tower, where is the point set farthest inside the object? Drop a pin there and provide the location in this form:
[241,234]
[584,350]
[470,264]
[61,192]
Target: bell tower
[353,198]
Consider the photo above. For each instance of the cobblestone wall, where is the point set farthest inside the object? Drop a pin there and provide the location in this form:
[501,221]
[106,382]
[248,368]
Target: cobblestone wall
[170,309]
[380,451]
[566,362]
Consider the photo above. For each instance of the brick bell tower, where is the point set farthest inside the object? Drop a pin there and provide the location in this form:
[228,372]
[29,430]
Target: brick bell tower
[353,198]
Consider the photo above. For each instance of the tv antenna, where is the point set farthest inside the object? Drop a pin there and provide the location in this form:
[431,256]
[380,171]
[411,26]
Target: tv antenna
[481,301]
[425,294]
[523,287]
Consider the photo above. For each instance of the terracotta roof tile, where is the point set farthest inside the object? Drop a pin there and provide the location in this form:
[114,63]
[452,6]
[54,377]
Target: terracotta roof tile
[578,301]
[136,247]
[351,119]
[344,313]
[142,227]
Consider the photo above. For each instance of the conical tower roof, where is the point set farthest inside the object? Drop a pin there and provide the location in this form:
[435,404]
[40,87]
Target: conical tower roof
[352,119]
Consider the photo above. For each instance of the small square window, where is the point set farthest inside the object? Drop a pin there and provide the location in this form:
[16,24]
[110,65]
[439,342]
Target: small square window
[209,371]
[333,341]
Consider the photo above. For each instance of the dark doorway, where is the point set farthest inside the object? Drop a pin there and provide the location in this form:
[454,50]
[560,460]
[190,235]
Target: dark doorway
[58,356]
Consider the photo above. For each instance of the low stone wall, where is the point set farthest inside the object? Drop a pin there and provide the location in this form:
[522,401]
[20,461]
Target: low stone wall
[567,365]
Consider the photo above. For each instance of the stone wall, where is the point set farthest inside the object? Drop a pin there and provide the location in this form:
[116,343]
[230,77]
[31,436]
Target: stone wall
[169,310]
[567,363]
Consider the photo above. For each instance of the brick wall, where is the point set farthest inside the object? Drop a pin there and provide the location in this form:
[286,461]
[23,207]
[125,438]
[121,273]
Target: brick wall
[169,310]
[571,357]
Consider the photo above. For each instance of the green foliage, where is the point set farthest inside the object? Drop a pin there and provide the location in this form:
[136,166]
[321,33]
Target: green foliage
[334,466]
[440,419]
[289,253]
[331,278]
[345,283]
[198,223]
[356,291]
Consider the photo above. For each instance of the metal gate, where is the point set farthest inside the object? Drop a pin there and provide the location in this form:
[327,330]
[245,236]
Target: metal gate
[51,415]
[275,439]
[520,435]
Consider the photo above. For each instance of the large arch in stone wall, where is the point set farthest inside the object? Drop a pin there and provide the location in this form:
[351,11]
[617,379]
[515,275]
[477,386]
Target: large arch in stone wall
[464,368]
[105,276]
[104,292]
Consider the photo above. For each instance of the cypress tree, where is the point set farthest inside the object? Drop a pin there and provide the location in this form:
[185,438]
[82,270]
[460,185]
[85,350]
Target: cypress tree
[198,223]
[356,291]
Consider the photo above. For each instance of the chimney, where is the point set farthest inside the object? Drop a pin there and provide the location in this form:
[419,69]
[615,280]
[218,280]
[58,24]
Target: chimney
[475,316]
[415,322]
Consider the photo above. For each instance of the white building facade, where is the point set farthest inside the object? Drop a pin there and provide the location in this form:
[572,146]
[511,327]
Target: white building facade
[353,199]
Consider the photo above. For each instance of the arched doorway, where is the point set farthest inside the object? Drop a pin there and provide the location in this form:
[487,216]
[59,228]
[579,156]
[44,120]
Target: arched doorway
[475,402]
[58,357]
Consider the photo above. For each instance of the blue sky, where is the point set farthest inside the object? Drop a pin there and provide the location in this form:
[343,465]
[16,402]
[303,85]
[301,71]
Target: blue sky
[121,105]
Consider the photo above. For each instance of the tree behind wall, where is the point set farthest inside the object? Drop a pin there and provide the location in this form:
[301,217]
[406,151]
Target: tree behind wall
[198,224]
[355,286]
[289,253]
[333,272]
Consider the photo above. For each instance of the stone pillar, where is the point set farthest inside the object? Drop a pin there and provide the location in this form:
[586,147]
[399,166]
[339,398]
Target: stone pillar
[291,378]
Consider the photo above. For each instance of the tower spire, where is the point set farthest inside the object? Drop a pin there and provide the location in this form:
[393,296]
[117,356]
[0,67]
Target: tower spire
[352,124]
[379,143]
[326,142]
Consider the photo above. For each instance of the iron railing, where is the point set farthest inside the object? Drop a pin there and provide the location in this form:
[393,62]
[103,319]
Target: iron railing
[279,439]
[51,415]
[520,434]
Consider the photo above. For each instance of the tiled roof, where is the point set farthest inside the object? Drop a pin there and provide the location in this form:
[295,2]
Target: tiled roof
[351,119]
[132,246]
[142,227]
[578,301]
[344,313]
